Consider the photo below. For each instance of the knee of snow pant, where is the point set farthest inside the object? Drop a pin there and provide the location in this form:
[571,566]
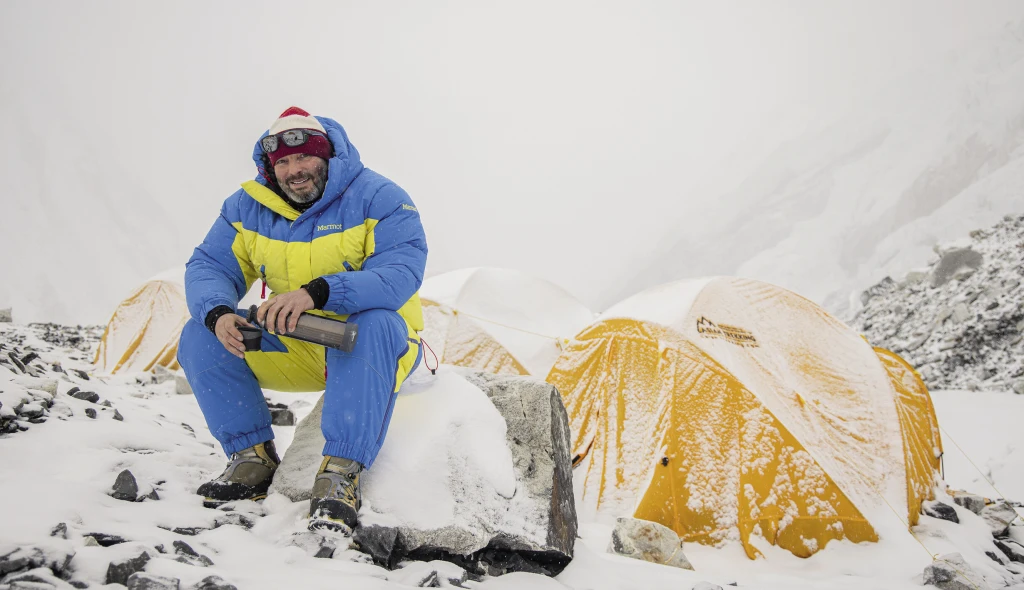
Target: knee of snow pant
[362,385]
[286,364]
[225,388]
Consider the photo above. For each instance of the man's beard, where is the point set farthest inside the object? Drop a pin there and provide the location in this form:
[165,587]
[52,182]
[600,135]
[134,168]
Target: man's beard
[309,195]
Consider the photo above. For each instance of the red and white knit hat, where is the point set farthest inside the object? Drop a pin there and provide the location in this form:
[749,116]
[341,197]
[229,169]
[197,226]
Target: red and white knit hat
[296,118]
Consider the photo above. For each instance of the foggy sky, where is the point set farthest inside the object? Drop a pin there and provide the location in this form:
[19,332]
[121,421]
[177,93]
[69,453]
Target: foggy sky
[564,139]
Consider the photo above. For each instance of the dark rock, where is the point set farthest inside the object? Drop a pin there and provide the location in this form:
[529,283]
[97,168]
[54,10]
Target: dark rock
[431,574]
[106,403]
[189,429]
[61,530]
[972,502]
[189,555]
[939,510]
[105,540]
[144,581]
[126,487]
[996,557]
[118,572]
[79,584]
[706,586]
[32,410]
[39,579]
[379,542]
[17,361]
[234,518]
[28,358]
[1012,549]
[91,412]
[29,558]
[313,544]
[80,374]
[951,572]
[118,416]
[72,391]
[213,583]
[283,417]
[89,396]
[189,531]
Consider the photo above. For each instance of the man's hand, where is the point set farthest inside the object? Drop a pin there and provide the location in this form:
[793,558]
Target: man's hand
[280,314]
[228,333]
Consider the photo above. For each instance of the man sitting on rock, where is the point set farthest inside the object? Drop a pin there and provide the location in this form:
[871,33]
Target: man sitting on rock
[330,237]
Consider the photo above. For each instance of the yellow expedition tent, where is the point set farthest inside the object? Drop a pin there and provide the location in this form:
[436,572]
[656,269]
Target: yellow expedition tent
[731,409]
[499,320]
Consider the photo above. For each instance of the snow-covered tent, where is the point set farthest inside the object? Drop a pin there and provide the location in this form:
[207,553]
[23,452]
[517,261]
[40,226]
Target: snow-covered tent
[499,320]
[145,327]
[731,409]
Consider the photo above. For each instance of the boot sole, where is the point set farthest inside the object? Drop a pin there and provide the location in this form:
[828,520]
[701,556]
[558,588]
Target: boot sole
[324,523]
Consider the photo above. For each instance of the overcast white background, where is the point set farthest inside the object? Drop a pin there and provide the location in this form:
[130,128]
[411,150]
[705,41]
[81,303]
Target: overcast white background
[567,139]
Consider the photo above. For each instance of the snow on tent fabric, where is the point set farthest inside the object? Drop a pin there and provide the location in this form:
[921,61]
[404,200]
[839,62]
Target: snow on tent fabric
[143,331]
[730,409]
[497,320]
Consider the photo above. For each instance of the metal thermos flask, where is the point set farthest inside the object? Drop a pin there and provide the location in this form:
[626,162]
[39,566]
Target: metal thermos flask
[320,330]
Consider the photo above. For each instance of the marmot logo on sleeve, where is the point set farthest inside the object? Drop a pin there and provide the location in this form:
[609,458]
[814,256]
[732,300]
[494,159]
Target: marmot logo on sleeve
[409,208]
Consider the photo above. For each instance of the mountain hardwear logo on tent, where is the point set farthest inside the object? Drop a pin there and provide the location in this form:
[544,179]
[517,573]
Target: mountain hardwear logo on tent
[737,336]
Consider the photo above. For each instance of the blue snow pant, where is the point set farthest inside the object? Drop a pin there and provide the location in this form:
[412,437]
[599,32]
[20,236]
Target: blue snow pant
[359,389]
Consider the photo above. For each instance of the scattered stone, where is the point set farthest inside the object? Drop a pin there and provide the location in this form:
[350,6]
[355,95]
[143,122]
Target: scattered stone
[88,396]
[28,358]
[29,558]
[60,531]
[951,572]
[190,531]
[144,581]
[105,540]
[91,412]
[430,574]
[213,583]
[106,403]
[972,502]
[6,316]
[17,361]
[379,542]
[283,417]
[884,286]
[186,554]
[37,579]
[937,509]
[998,516]
[1012,549]
[313,544]
[234,518]
[89,541]
[80,374]
[648,541]
[1018,387]
[126,487]
[952,262]
[707,586]
[32,410]
[118,416]
[181,384]
[79,584]
[118,572]
[189,429]
[162,374]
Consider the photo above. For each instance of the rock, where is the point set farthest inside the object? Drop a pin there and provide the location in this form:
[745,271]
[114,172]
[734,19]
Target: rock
[88,396]
[706,586]
[190,531]
[951,572]
[105,540]
[961,313]
[186,554]
[234,518]
[972,502]
[181,384]
[533,529]
[32,410]
[91,412]
[1018,387]
[282,417]
[17,361]
[430,574]
[213,583]
[118,572]
[80,374]
[952,261]
[56,557]
[914,277]
[118,416]
[60,531]
[144,581]
[937,509]
[998,516]
[89,541]
[313,544]
[28,358]
[884,286]
[125,487]
[162,374]
[1012,549]
[37,579]
[6,316]
[106,403]
[648,541]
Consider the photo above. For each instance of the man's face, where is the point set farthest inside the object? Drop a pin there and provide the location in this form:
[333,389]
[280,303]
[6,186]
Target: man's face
[302,177]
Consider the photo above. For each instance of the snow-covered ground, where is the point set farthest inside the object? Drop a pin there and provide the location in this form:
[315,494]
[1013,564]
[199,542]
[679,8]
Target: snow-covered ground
[62,470]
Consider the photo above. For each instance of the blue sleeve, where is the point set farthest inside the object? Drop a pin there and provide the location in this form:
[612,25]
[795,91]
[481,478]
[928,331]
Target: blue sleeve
[219,272]
[396,249]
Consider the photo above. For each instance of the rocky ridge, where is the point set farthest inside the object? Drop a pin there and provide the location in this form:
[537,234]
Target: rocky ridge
[960,321]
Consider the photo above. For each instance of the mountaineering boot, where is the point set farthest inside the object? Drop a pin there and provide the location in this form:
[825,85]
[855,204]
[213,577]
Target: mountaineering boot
[247,476]
[336,499]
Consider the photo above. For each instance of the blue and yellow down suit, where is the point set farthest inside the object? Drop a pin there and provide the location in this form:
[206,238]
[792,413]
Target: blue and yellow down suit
[364,237]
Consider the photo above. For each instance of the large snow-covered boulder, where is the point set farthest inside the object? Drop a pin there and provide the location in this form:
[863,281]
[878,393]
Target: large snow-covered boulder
[475,469]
